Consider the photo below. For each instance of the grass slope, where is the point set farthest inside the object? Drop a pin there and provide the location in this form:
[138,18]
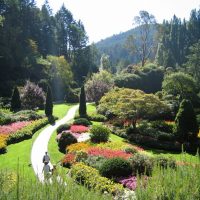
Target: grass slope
[18,155]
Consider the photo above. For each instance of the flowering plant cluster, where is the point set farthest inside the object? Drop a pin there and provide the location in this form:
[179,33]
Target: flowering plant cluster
[119,145]
[130,182]
[78,147]
[11,128]
[78,129]
[108,153]
[68,160]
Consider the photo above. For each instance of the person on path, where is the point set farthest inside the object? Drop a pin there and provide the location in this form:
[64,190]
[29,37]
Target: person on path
[46,158]
[46,170]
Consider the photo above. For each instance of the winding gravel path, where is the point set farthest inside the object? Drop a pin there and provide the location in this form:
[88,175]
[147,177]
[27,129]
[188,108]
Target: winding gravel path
[40,145]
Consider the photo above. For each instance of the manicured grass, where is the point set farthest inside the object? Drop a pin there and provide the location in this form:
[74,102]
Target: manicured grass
[54,153]
[91,109]
[182,157]
[59,110]
[18,156]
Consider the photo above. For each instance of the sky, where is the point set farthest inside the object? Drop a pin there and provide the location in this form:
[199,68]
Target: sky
[103,18]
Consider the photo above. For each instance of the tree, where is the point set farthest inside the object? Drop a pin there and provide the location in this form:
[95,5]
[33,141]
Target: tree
[98,85]
[193,62]
[82,103]
[180,84]
[15,100]
[145,23]
[49,103]
[32,96]
[186,122]
[129,104]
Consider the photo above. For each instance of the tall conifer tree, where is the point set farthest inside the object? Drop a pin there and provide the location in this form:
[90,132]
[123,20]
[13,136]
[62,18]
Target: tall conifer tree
[15,101]
[82,103]
[49,103]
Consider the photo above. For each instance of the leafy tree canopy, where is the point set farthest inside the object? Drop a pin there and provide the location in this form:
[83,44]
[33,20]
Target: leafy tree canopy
[132,104]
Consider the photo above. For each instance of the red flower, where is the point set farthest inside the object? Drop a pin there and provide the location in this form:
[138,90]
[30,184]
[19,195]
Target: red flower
[78,129]
[68,160]
[108,153]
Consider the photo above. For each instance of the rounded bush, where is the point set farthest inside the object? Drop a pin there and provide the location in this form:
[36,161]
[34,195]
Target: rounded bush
[65,140]
[115,167]
[82,121]
[63,127]
[141,164]
[99,133]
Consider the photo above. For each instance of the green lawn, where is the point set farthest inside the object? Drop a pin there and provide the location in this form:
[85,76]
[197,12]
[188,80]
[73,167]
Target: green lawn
[59,110]
[18,155]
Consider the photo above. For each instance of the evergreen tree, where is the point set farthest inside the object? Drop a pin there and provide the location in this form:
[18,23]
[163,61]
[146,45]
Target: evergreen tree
[49,103]
[82,103]
[186,122]
[15,101]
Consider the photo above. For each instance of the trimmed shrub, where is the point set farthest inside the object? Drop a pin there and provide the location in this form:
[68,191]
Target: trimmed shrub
[82,103]
[65,140]
[165,162]
[63,127]
[115,167]
[141,164]
[99,133]
[91,179]
[82,121]
[49,103]
[97,118]
[186,122]
[15,100]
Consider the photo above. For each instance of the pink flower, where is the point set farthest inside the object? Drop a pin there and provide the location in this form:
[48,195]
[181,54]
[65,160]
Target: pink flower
[78,129]
[11,128]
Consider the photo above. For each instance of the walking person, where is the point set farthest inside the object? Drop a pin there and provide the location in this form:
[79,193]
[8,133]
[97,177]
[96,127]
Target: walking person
[46,158]
[46,170]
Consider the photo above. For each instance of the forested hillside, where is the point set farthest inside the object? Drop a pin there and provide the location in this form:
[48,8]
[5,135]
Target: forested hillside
[44,48]
[116,47]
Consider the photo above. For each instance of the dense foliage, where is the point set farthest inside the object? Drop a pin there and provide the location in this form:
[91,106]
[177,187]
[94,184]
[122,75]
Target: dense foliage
[32,96]
[15,100]
[115,167]
[129,104]
[34,41]
[65,140]
[186,122]
[99,133]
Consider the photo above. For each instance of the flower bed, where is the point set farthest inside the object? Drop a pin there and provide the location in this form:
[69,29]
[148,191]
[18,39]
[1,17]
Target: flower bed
[78,129]
[131,182]
[21,134]
[13,127]
[108,153]
[78,147]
